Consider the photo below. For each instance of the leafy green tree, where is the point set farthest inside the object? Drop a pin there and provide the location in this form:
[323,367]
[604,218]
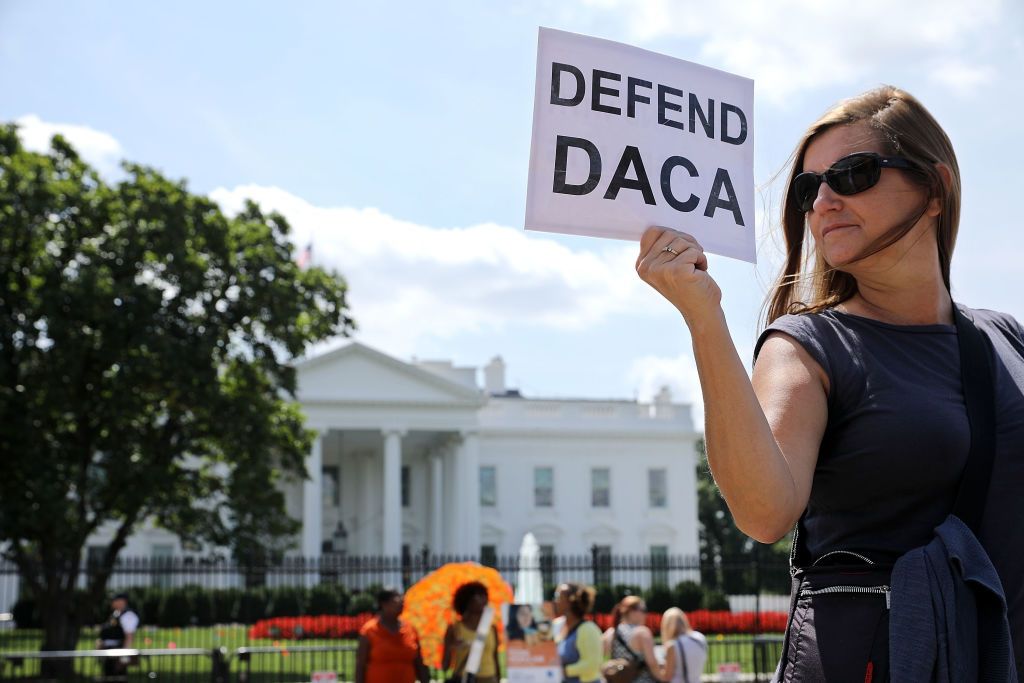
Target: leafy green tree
[731,561]
[145,348]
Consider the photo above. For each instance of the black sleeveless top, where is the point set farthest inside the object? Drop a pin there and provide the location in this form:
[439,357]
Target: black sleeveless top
[897,439]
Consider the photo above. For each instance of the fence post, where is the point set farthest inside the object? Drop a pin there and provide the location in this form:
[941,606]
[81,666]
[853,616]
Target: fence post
[219,672]
[757,588]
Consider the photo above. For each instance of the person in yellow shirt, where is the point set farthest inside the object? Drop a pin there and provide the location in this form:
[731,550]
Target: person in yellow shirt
[469,602]
[579,639]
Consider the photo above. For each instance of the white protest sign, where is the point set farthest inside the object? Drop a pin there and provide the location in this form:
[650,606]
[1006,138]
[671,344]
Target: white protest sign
[624,138]
[476,650]
[324,677]
[728,673]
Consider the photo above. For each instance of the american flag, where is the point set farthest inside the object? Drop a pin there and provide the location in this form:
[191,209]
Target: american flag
[305,257]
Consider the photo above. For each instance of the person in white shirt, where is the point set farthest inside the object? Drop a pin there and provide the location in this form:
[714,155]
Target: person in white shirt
[686,650]
[118,632]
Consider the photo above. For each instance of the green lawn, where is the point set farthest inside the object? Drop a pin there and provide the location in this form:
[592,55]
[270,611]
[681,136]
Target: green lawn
[288,662]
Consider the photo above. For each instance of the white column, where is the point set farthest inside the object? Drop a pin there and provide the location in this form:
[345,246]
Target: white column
[454,503]
[436,503]
[392,493]
[368,500]
[312,503]
[469,491]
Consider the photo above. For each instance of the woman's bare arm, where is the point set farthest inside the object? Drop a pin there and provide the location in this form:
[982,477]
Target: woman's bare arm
[643,642]
[762,434]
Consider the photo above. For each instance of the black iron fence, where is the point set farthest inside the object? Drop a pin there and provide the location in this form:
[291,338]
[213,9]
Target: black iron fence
[204,604]
[756,656]
[190,590]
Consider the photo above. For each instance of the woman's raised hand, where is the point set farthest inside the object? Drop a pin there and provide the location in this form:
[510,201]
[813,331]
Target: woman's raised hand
[674,264]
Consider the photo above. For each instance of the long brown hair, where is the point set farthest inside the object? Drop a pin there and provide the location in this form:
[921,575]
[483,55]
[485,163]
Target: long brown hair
[903,127]
[624,606]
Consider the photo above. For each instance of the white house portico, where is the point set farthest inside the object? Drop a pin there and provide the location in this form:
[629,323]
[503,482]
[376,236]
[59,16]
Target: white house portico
[394,466]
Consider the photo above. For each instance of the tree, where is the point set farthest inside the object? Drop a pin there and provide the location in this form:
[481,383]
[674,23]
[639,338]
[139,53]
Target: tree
[731,561]
[145,342]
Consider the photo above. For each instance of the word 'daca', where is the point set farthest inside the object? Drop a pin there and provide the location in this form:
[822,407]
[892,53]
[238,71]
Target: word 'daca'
[606,96]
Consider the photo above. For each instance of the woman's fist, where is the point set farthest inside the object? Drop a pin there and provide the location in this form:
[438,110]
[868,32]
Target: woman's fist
[674,264]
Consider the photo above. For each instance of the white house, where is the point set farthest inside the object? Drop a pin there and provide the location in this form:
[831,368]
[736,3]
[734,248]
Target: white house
[414,455]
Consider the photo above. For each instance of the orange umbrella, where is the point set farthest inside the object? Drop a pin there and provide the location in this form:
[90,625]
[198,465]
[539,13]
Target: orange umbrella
[428,603]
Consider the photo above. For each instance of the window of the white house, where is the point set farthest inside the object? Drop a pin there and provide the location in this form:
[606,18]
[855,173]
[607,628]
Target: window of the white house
[600,487]
[547,564]
[405,486]
[330,484]
[659,565]
[543,487]
[657,488]
[488,486]
[602,565]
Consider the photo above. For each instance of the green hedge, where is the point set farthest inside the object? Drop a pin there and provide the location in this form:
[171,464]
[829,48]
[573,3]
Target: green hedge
[687,595]
[198,606]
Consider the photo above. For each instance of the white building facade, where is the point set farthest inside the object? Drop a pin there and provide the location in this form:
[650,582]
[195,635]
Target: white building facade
[414,456]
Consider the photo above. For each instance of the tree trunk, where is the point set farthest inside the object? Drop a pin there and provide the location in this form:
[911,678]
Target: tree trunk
[61,629]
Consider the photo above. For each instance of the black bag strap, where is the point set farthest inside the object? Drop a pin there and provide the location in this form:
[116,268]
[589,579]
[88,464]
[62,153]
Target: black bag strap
[636,658]
[681,640]
[980,399]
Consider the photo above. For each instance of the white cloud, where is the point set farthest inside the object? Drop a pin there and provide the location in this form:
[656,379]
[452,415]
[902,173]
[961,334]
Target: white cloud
[963,78]
[650,373]
[409,281]
[790,45]
[99,149]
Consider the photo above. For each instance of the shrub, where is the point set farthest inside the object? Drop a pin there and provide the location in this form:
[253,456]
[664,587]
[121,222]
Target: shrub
[175,608]
[605,599]
[252,605]
[225,605]
[659,599]
[688,595]
[327,598]
[361,603]
[148,604]
[715,599]
[287,601]
[201,601]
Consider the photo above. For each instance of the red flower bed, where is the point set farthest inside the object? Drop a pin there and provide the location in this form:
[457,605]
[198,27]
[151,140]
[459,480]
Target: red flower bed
[296,628]
[722,621]
[705,621]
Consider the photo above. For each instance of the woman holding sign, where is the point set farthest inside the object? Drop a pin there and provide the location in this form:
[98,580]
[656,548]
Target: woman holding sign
[881,419]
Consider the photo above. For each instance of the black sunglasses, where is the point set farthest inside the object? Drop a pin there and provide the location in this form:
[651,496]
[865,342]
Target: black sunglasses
[852,174]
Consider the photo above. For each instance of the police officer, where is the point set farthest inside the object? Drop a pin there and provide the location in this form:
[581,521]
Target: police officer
[118,632]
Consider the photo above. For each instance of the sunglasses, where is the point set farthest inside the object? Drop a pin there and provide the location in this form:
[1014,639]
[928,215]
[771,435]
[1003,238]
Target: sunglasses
[852,174]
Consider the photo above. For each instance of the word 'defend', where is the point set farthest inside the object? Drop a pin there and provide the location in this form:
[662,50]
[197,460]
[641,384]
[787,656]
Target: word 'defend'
[606,99]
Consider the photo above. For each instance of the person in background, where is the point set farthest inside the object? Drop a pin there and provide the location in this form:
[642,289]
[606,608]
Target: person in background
[686,650]
[629,638]
[389,650]
[579,639]
[469,602]
[118,632]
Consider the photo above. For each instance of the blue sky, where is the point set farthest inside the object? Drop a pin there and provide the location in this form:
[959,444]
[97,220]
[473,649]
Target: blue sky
[395,136]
